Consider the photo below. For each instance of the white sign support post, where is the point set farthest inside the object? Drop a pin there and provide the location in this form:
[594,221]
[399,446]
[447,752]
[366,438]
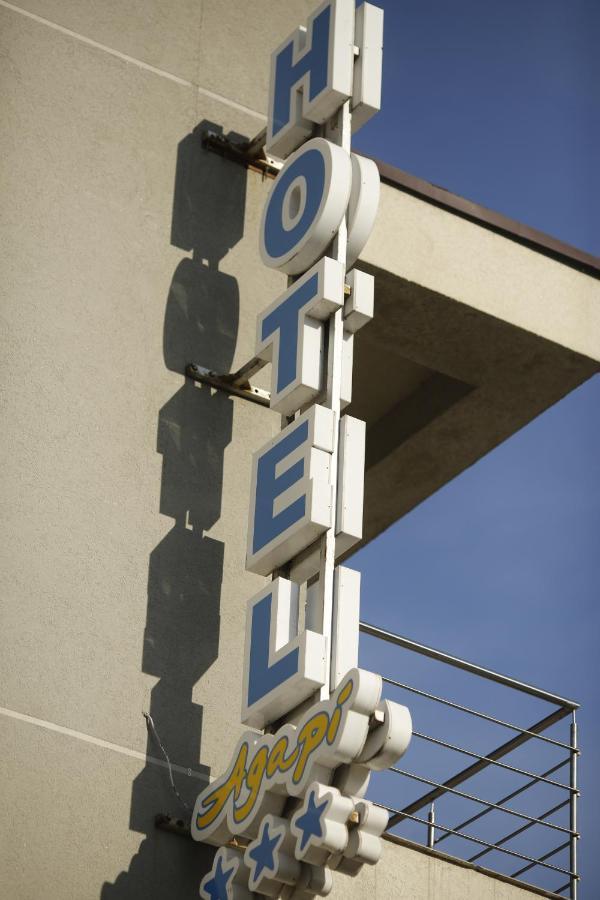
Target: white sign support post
[291,809]
[338,131]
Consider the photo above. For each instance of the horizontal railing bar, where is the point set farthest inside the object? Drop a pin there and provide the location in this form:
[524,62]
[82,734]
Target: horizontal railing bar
[505,809]
[475,712]
[475,840]
[508,797]
[430,652]
[545,856]
[493,756]
[518,831]
[488,760]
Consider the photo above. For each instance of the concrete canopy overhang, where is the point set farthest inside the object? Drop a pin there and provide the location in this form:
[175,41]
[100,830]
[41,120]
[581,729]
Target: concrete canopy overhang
[475,333]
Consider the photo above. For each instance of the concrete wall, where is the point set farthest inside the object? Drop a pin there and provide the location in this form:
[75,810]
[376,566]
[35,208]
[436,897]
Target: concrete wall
[129,251]
[406,874]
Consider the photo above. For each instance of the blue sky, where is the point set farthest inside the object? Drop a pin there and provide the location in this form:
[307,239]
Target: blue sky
[499,102]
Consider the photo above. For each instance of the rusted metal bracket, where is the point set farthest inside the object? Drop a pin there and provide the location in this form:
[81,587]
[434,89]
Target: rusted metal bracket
[248,153]
[181,828]
[236,384]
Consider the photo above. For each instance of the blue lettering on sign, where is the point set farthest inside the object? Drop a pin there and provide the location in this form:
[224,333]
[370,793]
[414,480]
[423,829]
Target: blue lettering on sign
[311,167]
[286,319]
[269,486]
[314,61]
[263,678]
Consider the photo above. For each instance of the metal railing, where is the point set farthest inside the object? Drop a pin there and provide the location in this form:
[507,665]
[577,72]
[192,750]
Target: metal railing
[444,792]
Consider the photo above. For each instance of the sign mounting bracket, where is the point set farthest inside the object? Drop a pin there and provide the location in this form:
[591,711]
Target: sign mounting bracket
[236,384]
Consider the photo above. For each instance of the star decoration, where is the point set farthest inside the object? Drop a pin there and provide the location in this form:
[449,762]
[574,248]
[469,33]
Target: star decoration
[261,852]
[309,822]
[215,885]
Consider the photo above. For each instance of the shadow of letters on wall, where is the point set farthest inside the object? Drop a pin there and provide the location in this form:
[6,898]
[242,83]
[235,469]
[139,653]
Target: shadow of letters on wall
[181,638]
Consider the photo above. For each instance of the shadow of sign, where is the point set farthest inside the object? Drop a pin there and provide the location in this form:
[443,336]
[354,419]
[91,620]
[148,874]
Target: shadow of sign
[181,637]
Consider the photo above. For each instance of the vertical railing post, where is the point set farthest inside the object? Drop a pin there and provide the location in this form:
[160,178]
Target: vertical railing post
[431,826]
[573,808]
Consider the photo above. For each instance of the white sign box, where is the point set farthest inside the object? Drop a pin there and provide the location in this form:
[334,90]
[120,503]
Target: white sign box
[290,494]
[281,667]
[290,334]
[312,74]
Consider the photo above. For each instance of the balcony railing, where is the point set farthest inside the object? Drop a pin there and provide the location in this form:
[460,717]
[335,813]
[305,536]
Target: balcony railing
[533,841]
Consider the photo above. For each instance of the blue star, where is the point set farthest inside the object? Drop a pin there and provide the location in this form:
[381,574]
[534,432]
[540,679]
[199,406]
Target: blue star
[309,823]
[217,886]
[262,852]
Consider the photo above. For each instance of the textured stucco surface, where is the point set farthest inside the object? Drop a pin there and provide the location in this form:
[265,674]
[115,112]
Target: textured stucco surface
[127,252]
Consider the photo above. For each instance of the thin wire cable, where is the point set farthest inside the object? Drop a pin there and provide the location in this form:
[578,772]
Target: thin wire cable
[542,858]
[504,809]
[154,734]
[508,797]
[513,834]
[492,762]
[469,837]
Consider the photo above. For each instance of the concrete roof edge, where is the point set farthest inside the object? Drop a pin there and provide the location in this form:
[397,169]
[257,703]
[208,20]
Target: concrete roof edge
[510,228]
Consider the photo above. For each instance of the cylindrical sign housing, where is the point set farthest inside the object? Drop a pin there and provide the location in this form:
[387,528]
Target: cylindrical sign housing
[305,206]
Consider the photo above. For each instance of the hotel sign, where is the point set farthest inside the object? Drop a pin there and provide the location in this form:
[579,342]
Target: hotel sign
[289,810]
